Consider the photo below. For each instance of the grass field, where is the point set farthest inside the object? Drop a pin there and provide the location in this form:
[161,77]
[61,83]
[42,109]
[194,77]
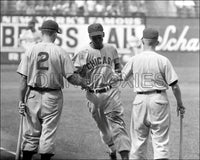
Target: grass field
[78,136]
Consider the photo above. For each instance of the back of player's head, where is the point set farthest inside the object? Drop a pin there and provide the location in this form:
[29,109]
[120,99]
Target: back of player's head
[50,26]
[150,36]
[48,32]
[95,29]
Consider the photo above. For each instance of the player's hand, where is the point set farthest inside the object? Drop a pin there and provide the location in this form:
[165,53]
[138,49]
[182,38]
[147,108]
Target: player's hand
[84,85]
[22,108]
[180,110]
[116,78]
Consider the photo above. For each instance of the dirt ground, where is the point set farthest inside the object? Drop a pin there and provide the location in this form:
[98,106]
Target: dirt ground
[78,136]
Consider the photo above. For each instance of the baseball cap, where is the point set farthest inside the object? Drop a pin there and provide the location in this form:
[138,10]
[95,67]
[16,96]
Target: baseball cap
[50,25]
[95,29]
[150,33]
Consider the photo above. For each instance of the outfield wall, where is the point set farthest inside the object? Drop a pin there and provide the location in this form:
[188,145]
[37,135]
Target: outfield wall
[179,37]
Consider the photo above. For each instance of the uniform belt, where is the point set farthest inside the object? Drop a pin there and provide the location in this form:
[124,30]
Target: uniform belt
[149,92]
[100,90]
[44,89]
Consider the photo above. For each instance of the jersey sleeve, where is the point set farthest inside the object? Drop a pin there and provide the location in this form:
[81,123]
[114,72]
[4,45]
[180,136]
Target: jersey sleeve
[115,54]
[127,70]
[116,60]
[68,66]
[23,66]
[170,74]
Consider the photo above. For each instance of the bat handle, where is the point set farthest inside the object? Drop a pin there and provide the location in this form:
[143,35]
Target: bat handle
[18,150]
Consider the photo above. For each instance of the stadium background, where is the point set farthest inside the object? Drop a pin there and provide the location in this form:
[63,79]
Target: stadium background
[178,24]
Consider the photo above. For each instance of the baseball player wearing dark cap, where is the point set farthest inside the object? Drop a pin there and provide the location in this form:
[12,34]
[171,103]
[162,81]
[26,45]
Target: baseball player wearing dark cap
[152,75]
[97,63]
[42,70]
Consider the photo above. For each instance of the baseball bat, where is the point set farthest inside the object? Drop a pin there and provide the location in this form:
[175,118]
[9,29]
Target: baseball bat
[18,150]
[19,140]
[181,136]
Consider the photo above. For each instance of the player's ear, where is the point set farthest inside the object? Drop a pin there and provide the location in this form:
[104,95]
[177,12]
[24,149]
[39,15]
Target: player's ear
[103,34]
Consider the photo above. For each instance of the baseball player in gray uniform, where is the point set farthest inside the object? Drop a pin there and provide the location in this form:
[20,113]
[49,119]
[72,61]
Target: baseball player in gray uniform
[152,74]
[97,63]
[42,70]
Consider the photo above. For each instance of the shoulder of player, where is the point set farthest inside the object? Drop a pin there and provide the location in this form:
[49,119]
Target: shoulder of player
[161,57]
[61,50]
[31,49]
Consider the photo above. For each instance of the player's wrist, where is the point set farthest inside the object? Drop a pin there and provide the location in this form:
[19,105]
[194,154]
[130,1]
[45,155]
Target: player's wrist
[180,104]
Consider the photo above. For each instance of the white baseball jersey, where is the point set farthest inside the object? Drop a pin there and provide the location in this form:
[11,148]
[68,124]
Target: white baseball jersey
[150,71]
[45,65]
[150,112]
[97,64]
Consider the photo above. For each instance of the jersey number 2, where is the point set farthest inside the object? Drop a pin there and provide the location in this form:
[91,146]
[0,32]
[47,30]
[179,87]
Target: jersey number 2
[42,57]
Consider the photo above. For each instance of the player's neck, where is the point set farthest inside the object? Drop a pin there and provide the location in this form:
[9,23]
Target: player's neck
[93,46]
[47,39]
[149,48]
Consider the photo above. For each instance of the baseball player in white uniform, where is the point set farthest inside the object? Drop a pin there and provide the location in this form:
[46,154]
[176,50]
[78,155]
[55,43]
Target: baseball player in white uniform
[41,100]
[152,74]
[97,63]
[30,36]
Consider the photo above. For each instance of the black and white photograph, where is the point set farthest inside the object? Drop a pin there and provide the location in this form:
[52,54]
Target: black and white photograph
[99,79]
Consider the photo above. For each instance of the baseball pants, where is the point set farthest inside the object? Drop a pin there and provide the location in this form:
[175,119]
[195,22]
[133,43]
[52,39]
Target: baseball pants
[107,111]
[150,114]
[41,121]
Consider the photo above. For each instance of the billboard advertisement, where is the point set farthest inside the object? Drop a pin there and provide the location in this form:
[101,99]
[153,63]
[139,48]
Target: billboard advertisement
[74,32]
[177,35]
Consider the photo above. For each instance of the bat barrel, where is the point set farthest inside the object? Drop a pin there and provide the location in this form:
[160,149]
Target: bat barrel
[18,150]
[181,137]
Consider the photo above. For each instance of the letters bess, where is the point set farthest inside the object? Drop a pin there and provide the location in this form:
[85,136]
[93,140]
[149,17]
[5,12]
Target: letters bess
[10,36]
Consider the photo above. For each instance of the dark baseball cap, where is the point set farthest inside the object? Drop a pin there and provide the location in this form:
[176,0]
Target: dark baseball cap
[95,29]
[150,33]
[50,25]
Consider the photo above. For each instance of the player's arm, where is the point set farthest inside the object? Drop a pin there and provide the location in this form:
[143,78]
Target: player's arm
[23,88]
[23,71]
[127,71]
[172,80]
[117,65]
[74,77]
[77,80]
[177,93]
[117,76]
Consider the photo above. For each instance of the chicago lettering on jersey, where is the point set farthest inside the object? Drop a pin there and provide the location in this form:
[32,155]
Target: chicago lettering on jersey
[98,61]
